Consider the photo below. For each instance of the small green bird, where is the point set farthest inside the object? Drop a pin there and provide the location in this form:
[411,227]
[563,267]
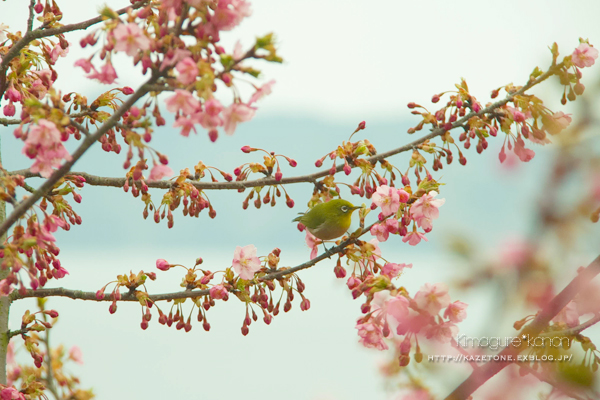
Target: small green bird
[328,220]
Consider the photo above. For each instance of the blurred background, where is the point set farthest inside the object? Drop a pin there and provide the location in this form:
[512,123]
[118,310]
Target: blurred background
[344,62]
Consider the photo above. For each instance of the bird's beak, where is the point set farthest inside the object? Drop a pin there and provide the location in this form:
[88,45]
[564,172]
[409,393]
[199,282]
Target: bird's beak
[356,208]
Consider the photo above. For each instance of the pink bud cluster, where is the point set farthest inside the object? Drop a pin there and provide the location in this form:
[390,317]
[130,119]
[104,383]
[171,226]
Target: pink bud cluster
[271,163]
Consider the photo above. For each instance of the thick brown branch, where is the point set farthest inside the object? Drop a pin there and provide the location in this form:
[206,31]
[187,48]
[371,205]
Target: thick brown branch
[543,318]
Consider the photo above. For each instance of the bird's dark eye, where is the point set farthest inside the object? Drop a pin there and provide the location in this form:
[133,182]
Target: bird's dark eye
[345,209]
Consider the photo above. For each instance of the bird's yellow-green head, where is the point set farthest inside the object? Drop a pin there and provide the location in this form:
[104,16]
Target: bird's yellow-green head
[328,220]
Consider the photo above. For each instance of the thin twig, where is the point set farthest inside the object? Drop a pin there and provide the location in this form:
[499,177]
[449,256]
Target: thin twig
[31,15]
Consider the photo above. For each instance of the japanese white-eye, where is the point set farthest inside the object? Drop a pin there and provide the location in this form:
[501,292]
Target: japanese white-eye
[328,220]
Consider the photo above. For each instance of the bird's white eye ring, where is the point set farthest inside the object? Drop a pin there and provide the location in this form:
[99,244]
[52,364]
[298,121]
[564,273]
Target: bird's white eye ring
[345,208]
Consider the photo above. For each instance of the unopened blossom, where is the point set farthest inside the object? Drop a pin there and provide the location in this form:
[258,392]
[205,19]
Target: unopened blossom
[76,355]
[188,71]
[159,171]
[443,332]
[584,55]
[182,101]
[432,297]
[245,261]
[107,74]
[392,270]
[414,238]
[262,91]
[234,114]
[389,199]
[313,243]
[568,315]
[130,39]
[163,264]
[371,336]
[456,311]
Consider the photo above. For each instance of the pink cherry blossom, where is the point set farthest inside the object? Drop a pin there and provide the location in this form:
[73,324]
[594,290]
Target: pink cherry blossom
[371,336]
[432,297]
[397,307]
[76,355]
[188,71]
[392,270]
[245,261]
[234,114]
[389,199]
[182,101]
[209,118]
[44,134]
[11,393]
[568,315]
[218,292]
[584,56]
[414,238]
[427,206]
[380,231]
[229,14]
[130,39]
[524,154]
[187,124]
[173,57]
[261,92]
[456,311]
[58,51]
[313,243]
[443,332]
[85,64]
[107,74]
[159,171]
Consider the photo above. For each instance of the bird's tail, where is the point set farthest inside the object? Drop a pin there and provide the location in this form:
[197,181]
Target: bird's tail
[297,219]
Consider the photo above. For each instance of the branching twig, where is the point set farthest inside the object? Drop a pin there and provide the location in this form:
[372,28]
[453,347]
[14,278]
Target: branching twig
[488,370]
[574,330]
[25,204]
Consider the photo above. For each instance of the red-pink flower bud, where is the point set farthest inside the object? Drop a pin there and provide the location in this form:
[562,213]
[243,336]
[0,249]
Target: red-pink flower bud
[411,105]
[361,125]
[113,308]
[245,330]
[292,162]
[289,202]
[339,271]
[247,149]
[213,134]
[9,109]
[435,98]
[127,90]
[278,175]
[100,294]
[52,313]
[162,264]
[305,304]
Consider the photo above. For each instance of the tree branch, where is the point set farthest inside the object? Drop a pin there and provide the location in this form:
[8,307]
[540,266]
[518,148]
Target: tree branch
[543,318]
[81,295]
[41,32]
[22,207]
[574,330]
[310,178]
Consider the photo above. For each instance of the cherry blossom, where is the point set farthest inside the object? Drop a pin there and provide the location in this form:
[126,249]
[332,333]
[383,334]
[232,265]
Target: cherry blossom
[245,261]
[107,74]
[397,307]
[130,39]
[443,332]
[432,297]
[426,208]
[218,292]
[261,92]
[76,355]
[234,114]
[389,199]
[182,101]
[456,312]
[414,238]
[371,336]
[187,124]
[313,243]
[392,270]
[188,71]
[159,171]
[209,118]
[584,56]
